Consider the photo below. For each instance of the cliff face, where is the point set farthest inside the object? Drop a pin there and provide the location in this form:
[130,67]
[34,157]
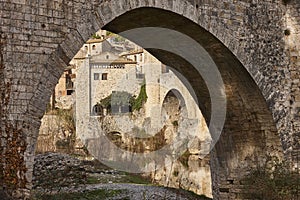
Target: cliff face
[133,134]
[58,134]
[173,143]
[188,172]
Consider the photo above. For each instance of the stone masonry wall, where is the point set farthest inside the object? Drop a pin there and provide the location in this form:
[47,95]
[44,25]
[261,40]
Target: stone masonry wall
[292,38]
[39,38]
[32,62]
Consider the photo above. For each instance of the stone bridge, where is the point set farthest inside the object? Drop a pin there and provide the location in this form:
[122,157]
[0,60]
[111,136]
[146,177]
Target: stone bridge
[254,44]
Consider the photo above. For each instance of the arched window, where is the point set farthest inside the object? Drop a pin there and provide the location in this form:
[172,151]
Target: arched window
[94,47]
[97,110]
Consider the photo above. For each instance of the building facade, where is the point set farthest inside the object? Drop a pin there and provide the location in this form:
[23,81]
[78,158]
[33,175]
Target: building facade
[108,77]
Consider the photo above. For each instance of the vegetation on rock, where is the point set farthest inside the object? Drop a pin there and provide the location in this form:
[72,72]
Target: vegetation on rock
[277,182]
[96,36]
[69,125]
[138,103]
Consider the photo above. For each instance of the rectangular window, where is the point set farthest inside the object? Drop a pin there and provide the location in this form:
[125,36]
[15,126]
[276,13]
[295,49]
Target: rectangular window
[70,92]
[96,76]
[104,76]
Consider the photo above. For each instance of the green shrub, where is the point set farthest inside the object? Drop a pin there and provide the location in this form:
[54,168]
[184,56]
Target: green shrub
[122,98]
[96,36]
[277,182]
[106,102]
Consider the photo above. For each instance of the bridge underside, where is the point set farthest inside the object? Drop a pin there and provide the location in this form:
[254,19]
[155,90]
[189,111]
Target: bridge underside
[249,135]
[39,39]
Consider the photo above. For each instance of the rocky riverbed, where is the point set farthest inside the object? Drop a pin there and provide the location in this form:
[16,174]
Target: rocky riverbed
[61,176]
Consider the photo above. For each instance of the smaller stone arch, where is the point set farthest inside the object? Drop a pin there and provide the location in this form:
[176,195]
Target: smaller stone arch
[186,101]
[178,123]
[170,96]
[175,111]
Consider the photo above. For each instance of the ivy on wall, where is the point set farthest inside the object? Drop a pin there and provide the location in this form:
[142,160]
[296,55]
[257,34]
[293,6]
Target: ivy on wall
[138,103]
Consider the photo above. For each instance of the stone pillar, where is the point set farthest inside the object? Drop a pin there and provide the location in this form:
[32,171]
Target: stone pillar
[152,69]
[83,99]
[18,139]
[292,38]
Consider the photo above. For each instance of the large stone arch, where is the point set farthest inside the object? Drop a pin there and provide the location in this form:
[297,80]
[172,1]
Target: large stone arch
[39,39]
[249,134]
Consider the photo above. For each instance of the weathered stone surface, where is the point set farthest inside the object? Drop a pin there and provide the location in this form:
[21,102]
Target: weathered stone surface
[258,62]
[56,134]
[55,170]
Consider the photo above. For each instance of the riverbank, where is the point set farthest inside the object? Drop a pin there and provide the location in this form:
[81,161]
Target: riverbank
[61,176]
